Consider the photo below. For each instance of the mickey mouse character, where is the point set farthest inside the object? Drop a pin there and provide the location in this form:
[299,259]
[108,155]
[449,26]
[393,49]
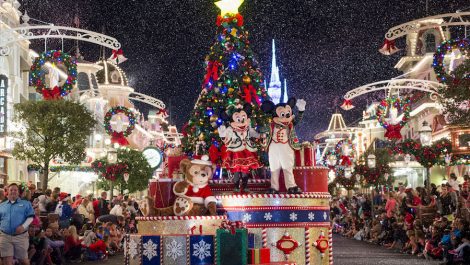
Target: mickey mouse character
[282,141]
[240,155]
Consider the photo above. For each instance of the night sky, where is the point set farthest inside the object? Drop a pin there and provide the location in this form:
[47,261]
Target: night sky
[324,50]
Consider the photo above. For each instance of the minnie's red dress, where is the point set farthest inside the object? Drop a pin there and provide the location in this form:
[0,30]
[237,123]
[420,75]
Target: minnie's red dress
[239,152]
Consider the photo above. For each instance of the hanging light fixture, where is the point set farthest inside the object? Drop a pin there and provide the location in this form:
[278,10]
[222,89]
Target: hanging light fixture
[425,134]
[347,172]
[407,159]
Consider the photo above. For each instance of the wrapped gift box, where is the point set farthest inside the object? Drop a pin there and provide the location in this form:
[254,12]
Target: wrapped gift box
[305,156]
[259,255]
[161,190]
[150,250]
[232,248]
[201,250]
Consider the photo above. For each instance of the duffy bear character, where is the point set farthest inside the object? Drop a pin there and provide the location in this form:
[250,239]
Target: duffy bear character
[194,196]
[282,141]
[239,156]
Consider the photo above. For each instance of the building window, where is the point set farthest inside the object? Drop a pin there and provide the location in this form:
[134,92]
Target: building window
[83,81]
[430,41]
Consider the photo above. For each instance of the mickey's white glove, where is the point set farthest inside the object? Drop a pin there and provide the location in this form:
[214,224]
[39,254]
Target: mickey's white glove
[301,104]
[222,131]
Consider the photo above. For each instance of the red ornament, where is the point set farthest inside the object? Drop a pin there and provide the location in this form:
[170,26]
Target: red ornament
[287,244]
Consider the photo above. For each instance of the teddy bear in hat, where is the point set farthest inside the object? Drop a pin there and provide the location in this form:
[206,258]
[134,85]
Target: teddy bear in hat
[194,196]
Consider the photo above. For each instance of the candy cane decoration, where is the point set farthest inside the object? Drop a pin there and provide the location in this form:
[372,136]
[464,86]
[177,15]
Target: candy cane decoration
[307,246]
[188,251]
[330,245]
[264,237]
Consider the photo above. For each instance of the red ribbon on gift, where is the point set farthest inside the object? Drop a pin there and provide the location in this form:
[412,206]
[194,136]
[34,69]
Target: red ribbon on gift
[232,226]
[118,137]
[212,71]
[393,131]
[51,93]
[116,53]
[250,94]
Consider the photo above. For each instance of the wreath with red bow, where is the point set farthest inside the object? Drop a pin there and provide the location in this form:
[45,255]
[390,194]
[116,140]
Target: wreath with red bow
[37,78]
[346,160]
[438,64]
[119,137]
[393,130]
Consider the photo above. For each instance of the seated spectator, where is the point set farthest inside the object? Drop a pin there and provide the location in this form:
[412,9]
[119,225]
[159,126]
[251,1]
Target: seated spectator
[52,204]
[56,245]
[72,247]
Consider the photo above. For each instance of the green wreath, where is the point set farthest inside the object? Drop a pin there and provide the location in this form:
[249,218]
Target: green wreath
[37,78]
[403,105]
[438,64]
[116,110]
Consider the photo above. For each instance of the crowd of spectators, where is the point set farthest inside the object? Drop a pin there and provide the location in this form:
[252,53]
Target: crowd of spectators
[432,224]
[67,229]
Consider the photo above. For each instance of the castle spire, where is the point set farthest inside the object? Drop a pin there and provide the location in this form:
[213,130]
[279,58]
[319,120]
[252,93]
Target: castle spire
[275,85]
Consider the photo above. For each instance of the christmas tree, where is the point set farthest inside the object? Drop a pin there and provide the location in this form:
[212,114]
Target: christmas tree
[232,77]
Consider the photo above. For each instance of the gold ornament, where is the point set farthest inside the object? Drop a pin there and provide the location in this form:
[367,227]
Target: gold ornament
[213,118]
[201,137]
[230,90]
[246,79]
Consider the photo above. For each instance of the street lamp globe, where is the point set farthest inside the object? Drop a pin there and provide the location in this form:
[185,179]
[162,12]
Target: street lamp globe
[371,161]
[425,134]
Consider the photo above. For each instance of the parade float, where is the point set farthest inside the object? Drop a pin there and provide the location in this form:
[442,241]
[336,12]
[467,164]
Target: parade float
[218,201]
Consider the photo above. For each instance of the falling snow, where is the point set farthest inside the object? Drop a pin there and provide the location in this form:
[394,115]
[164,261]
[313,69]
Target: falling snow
[324,49]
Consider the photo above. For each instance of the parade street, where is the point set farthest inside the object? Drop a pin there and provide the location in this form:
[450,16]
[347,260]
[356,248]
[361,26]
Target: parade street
[351,252]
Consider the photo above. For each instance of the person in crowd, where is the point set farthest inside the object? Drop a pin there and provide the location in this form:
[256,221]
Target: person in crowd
[102,205]
[15,217]
[2,196]
[55,244]
[52,204]
[72,246]
[391,204]
[86,209]
[117,210]
[43,200]
[64,210]
[453,182]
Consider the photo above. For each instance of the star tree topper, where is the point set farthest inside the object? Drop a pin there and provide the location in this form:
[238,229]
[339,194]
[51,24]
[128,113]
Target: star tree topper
[229,6]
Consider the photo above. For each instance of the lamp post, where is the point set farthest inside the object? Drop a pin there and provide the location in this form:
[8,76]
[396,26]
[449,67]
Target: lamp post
[111,156]
[371,161]
[425,136]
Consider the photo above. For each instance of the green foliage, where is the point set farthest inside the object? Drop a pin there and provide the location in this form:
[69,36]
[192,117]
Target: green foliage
[53,129]
[456,96]
[137,166]
[230,70]
[380,175]
[427,156]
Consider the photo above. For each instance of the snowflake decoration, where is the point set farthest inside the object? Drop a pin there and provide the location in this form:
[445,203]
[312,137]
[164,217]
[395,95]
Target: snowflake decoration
[246,217]
[325,215]
[133,248]
[174,250]
[268,216]
[201,250]
[150,249]
[293,217]
[311,216]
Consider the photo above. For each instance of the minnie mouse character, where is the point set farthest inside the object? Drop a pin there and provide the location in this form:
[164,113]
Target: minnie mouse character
[282,141]
[240,152]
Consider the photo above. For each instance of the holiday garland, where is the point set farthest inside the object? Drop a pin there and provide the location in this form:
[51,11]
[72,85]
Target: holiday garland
[347,183]
[427,156]
[119,137]
[393,130]
[438,64]
[37,78]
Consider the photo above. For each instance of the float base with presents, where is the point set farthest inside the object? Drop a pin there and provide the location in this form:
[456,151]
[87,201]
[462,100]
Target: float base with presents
[207,223]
